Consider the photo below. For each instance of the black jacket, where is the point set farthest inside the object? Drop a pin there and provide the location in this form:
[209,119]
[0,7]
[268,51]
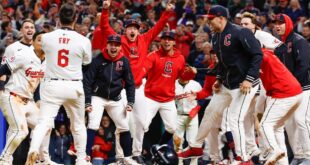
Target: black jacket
[239,55]
[297,58]
[106,79]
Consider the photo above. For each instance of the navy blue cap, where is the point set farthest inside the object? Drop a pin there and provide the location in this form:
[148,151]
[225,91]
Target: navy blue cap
[114,38]
[168,34]
[279,18]
[217,11]
[132,22]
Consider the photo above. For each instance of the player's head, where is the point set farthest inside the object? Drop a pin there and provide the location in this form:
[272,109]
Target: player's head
[189,73]
[248,20]
[67,14]
[132,29]
[27,30]
[164,155]
[217,18]
[167,40]
[283,24]
[37,41]
[114,45]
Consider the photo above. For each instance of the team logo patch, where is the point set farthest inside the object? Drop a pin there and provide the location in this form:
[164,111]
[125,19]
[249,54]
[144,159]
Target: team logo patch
[227,40]
[119,66]
[12,58]
[168,69]
[133,52]
[289,47]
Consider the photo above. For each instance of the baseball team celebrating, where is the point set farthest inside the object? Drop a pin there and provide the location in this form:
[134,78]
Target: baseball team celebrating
[258,84]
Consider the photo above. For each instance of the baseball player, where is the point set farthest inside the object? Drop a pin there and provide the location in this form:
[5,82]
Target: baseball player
[297,60]
[270,42]
[66,51]
[163,67]
[17,102]
[237,81]
[104,80]
[187,118]
[135,47]
[284,95]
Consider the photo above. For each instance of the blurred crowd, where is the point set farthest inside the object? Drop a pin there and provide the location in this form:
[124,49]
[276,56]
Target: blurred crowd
[192,38]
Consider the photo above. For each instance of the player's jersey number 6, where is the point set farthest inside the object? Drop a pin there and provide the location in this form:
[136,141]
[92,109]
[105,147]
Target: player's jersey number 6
[63,59]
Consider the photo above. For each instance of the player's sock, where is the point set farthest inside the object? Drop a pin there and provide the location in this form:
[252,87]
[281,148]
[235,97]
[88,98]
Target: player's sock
[231,143]
[90,140]
[165,138]
[126,144]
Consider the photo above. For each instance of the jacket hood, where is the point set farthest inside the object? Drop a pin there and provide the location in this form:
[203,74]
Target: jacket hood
[288,27]
[106,55]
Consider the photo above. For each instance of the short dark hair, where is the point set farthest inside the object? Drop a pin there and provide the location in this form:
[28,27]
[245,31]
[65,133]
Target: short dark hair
[4,25]
[36,34]
[27,20]
[67,14]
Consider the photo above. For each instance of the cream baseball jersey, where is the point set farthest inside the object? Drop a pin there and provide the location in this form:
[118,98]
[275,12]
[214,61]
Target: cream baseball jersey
[10,53]
[184,106]
[267,40]
[27,70]
[65,52]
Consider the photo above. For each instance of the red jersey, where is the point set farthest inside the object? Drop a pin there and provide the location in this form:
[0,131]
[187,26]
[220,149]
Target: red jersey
[105,147]
[163,71]
[277,79]
[135,51]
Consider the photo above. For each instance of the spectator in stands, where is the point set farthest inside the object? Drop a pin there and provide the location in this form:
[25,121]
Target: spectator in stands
[59,145]
[198,49]
[294,10]
[183,39]
[281,7]
[100,148]
[306,30]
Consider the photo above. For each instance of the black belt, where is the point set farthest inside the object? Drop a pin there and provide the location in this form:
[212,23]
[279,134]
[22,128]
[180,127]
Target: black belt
[62,79]
[24,99]
[184,114]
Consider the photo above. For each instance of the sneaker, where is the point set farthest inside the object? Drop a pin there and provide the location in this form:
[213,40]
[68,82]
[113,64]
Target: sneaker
[48,162]
[32,158]
[139,159]
[295,161]
[130,161]
[6,160]
[119,161]
[305,162]
[85,161]
[237,162]
[191,152]
[274,157]
[254,155]
[223,162]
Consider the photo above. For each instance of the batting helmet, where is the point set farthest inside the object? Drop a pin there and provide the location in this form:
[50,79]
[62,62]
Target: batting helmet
[164,155]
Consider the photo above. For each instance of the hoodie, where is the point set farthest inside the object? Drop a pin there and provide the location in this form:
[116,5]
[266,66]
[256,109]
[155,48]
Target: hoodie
[162,71]
[297,56]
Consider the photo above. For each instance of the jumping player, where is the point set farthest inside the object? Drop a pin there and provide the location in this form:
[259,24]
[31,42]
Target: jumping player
[104,80]
[26,68]
[239,57]
[66,51]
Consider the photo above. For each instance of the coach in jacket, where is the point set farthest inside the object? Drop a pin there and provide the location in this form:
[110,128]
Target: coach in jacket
[103,82]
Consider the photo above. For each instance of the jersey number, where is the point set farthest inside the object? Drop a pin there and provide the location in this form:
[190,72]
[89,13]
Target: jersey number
[63,60]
